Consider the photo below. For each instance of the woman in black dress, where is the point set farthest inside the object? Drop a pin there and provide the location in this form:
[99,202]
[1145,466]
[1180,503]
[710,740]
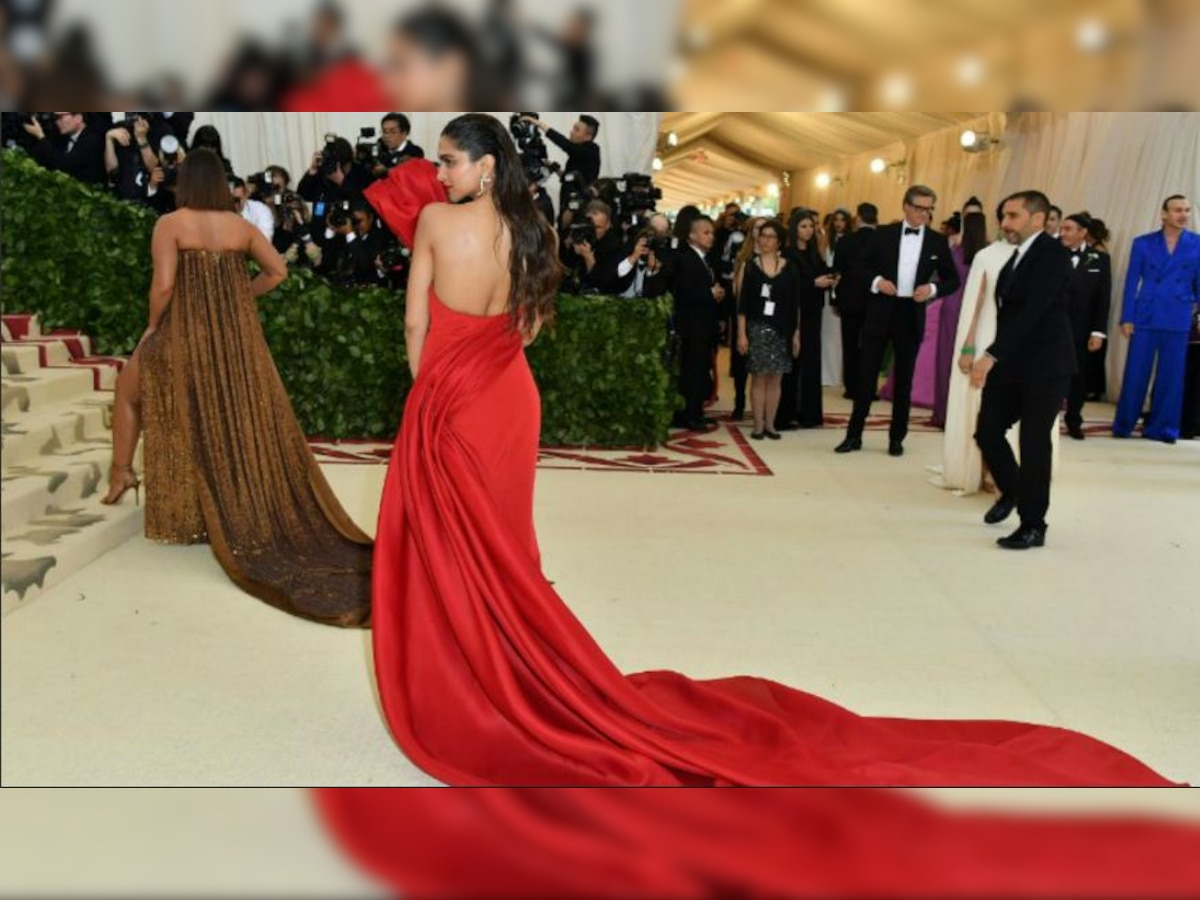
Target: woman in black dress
[804,403]
[768,292]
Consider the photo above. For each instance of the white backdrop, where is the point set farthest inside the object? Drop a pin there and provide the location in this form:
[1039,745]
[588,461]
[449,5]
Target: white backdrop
[253,141]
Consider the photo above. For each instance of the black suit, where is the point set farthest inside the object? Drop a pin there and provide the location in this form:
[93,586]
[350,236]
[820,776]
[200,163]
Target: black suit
[1035,359]
[852,260]
[83,161]
[898,320]
[1090,293]
[696,323]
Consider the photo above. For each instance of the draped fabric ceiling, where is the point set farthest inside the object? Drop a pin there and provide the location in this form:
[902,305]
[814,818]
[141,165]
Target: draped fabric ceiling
[722,154]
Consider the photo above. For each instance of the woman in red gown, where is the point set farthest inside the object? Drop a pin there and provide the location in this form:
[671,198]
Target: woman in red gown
[487,679]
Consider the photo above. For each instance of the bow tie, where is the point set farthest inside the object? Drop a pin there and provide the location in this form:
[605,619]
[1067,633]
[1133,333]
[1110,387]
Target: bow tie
[1076,254]
[908,231]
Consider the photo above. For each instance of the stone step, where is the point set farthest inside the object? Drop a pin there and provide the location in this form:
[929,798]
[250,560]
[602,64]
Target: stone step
[27,492]
[23,395]
[56,437]
[20,358]
[57,544]
[21,325]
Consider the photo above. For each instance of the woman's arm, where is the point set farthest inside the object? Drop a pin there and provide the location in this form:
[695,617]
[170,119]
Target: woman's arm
[263,252]
[969,351]
[165,255]
[420,280]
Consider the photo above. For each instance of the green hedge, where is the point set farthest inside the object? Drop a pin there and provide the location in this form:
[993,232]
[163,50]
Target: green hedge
[81,259]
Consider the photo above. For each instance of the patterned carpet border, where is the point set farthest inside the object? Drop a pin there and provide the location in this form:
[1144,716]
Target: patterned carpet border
[721,450]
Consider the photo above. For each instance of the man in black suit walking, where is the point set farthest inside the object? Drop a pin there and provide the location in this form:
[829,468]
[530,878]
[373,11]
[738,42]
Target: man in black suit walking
[852,262]
[911,266]
[1026,372]
[697,294]
[1090,291]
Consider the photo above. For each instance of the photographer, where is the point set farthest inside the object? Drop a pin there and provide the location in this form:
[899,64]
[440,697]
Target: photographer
[293,237]
[160,186]
[583,153]
[129,158]
[645,264]
[332,179]
[353,254]
[76,150]
[602,264]
[253,211]
[394,145]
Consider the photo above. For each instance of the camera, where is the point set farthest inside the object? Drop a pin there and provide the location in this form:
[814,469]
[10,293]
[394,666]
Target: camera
[168,153]
[366,151]
[582,233]
[329,160]
[339,216]
[531,147]
[261,183]
[394,256]
[573,196]
[636,195]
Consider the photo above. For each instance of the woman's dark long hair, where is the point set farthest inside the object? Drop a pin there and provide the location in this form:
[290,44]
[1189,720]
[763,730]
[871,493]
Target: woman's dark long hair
[683,223]
[974,235]
[807,258]
[533,265]
[202,183]
[208,136]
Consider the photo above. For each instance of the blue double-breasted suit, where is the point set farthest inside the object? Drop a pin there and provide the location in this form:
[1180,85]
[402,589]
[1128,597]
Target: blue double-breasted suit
[1161,293]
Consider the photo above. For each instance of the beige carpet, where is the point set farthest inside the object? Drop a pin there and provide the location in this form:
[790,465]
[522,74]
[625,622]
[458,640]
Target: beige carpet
[850,577]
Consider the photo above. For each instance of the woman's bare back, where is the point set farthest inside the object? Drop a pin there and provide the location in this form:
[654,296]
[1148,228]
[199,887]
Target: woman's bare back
[209,230]
[471,249]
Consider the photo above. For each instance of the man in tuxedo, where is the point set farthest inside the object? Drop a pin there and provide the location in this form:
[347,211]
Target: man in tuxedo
[1162,290]
[1090,292]
[910,266]
[697,295]
[77,149]
[852,261]
[1025,373]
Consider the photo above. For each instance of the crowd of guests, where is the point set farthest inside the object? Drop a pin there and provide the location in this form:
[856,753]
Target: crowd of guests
[757,285]
[772,279]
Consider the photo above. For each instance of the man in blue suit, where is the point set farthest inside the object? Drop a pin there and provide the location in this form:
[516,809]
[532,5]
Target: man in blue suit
[1161,293]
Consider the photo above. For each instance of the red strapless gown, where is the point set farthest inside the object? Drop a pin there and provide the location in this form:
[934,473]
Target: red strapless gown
[486,678]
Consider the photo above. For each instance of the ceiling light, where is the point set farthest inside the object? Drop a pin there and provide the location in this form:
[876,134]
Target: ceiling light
[970,71]
[879,165]
[969,139]
[823,180]
[1091,36]
[897,90]
[773,189]
[658,164]
[672,139]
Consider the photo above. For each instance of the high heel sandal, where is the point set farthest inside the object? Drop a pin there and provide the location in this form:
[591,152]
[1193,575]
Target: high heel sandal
[128,480]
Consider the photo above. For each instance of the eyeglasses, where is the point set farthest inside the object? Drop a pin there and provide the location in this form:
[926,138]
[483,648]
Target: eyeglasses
[928,210]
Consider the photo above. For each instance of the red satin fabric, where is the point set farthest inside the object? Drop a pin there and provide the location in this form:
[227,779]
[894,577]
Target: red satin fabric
[486,677]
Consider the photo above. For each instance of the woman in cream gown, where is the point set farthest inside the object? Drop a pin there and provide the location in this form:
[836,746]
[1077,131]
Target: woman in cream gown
[962,463]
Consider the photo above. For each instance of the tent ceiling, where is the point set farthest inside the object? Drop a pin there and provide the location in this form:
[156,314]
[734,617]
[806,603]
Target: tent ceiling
[721,153]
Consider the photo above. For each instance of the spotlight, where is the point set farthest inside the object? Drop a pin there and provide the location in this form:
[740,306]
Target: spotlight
[672,139]
[658,164]
[1092,36]
[970,71]
[969,139]
[773,189]
[823,180]
[879,165]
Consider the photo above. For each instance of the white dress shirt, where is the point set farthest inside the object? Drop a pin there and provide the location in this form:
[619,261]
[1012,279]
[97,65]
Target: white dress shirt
[259,215]
[906,268]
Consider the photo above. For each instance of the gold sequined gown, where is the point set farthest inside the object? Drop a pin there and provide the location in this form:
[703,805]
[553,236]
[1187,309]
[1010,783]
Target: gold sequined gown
[226,461]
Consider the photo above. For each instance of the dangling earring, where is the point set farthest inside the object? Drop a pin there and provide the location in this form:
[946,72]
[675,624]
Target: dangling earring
[484,183]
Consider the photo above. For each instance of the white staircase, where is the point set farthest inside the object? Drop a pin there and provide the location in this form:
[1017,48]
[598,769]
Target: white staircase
[57,417]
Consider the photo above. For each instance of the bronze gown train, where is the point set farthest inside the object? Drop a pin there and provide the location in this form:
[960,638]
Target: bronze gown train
[226,460]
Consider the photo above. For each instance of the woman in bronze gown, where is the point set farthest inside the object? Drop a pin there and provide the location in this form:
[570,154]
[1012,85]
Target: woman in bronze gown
[226,461]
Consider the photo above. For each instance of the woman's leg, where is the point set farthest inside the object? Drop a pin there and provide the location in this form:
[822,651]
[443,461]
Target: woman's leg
[758,403]
[127,429]
[774,388]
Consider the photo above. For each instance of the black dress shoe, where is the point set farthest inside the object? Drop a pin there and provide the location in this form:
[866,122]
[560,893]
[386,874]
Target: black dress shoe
[756,435]
[1075,431]
[737,415]
[774,435]
[849,445]
[695,425]
[895,448]
[1001,510]
[708,420]
[847,396]
[1023,538]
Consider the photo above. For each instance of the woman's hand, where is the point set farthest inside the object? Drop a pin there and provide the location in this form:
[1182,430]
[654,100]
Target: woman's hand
[743,344]
[825,281]
[796,344]
[965,362]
